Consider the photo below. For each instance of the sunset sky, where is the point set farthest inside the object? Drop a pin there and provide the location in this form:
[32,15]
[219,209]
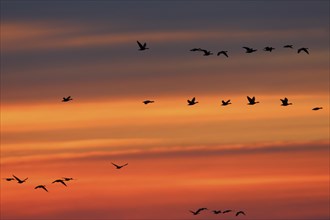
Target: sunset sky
[270,161]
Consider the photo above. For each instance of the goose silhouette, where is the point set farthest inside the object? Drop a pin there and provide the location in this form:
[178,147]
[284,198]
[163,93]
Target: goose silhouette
[285,102]
[9,179]
[288,46]
[59,181]
[41,187]
[206,52]
[249,50]
[317,108]
[196,49]
[252,100]
[240,212]
[148,101]
[304,49]
[225,103]
[269,49]
[226,211]
[66,99]
[224,52]
[67,178]
[142,47]
[19,180]
[192,101]
[197,211]
[216,211]
[119,166]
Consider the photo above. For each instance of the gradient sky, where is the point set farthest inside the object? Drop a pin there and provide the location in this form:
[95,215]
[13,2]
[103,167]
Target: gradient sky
[268,160]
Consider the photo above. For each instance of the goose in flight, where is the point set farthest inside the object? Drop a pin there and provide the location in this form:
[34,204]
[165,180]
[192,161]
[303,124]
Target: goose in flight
[192,101]
[206,52]
[226,211]
[317,108]
[148,101]
[249,50]
[269,49]
[252,100]
[67,178]
[305,49]
[19,180]
[285,102]
[59,181]
[240,212]
[224,52]
[119,166]
[41,187]
[196,49]
[66,99]
[142,47]
[226,103]
[288,46]
[9,179]
[198,211]
[216,211]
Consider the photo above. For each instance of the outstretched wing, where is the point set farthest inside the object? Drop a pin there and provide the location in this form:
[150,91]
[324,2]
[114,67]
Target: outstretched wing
[115,165]
[140,45]
[193,99]
[250,99]
[17,178]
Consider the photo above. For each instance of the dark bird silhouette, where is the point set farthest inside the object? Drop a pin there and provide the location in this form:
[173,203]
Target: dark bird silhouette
[216,211]
[303,49]
[240,212]
[252,100]
[206,52]
[285,102]
[198,211]
[19,180]
[66,99]
[67,178]
[249,50]
[9,179]
[224,52]
[269,49]
[41,187]
[192,101]
[59,181]
[226,103]
[119,166]
[148,101]
[288,46]
[317,108]
[226,211]
[142,47]
[196,49]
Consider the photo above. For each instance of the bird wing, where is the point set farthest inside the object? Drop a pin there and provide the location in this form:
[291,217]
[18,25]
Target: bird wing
[140,45]
[219,53]
[61,181]
[44,188]
[250,99]
[115,165]
[125,165]
[224,53]
[305,50]
[247,48]
[193,99]
[144,45]
[17,178]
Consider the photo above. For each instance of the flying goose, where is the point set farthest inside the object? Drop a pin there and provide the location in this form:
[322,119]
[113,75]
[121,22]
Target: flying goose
[225,103]
[252,100]
[9,179]
[226,211]
[148,101]
[142,47]
[196,49]
[249,50]
[303,49]
[288,46]
[224,52]
[41,187]
[59,181]
[119,166]
[269,49]
[19,180]
[285,102]
[198,211]
[67,178]
[240,212]
[66,99]
[317,108]
[192,101]
[216,211]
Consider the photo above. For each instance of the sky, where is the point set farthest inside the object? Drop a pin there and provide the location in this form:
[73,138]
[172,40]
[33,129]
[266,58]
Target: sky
[270,161]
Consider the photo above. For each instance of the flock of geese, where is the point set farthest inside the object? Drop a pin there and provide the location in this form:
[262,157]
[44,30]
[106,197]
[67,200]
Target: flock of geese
[251,101]
[216,212]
